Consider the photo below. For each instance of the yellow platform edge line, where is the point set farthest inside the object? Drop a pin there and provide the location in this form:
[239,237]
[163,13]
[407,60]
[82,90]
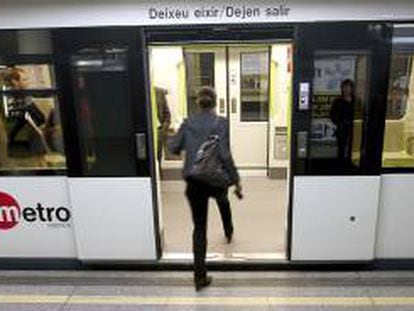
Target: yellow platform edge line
[197,300]
[12,299]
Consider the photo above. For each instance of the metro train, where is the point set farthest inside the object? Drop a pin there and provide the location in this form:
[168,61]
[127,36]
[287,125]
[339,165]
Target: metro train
[93,92]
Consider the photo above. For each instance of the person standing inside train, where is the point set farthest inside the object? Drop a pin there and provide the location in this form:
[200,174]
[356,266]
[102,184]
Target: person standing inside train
[164,122]
[3,129]
[342,115]
[191,135]
[3,142]
[27,117]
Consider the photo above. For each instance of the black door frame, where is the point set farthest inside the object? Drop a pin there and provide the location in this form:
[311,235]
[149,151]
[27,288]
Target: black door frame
[220,34]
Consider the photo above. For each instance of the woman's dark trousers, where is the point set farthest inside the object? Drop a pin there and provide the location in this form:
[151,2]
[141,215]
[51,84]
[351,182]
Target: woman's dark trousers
[198,195]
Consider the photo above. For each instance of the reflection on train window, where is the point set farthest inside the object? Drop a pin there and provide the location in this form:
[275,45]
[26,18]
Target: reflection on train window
[200,72]
[340,90]
[103,111]
[254,86]
[399,85]
[399,126]
[30,129]
[33,77]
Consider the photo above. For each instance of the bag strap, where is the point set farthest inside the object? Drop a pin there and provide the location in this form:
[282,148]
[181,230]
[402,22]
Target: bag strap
[215,126]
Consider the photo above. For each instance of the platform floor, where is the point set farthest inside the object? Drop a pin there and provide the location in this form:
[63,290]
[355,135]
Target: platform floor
[121,291]
[259,221]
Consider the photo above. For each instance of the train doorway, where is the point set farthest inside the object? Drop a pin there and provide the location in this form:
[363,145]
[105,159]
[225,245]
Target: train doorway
[254,91]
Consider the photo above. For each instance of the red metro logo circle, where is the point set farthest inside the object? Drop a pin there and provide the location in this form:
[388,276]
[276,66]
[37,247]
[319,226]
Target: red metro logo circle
[9,212]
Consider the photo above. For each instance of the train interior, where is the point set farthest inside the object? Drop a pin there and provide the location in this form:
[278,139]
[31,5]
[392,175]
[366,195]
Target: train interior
[254,91]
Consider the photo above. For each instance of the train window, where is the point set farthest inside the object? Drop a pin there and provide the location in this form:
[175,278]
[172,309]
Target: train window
[100,81]
[200,72]
[31,136]
[254,86]
[340,91]
[398,150]
[401,64]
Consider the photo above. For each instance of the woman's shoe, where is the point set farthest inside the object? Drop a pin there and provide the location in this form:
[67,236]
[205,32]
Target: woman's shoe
[229,236]
[200,284]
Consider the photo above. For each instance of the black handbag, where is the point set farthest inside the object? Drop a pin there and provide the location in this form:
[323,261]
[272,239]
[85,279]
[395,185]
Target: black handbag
[208,166]
[37,116]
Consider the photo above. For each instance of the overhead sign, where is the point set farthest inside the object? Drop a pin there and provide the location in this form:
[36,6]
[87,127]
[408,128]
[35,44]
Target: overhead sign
[219,12]
[67,13]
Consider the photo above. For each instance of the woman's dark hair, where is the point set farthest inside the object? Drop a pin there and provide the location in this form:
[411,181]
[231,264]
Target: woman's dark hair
[11,74]
[207,97]
[350,83]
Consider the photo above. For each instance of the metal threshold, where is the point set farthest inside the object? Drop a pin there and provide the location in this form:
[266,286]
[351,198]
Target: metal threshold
[225,257]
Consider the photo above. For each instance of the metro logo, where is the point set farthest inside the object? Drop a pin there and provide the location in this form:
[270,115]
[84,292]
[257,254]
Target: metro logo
[9,212]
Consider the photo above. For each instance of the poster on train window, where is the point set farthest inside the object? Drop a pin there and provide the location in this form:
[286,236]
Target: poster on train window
[331,71]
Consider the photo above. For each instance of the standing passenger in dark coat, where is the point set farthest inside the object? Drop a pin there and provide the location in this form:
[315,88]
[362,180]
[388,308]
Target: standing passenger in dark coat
[342,115]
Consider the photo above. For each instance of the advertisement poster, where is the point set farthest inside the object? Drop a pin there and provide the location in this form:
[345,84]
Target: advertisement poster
[328,76]
[330,72]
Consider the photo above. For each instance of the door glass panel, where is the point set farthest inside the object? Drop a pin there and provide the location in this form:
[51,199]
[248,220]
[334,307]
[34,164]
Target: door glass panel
[398,150]
[254,86]
[33,133]
[101,95]
[339,94]
[200,72]
[31,136]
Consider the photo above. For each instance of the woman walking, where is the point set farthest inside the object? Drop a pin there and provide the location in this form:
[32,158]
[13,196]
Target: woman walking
[192,134]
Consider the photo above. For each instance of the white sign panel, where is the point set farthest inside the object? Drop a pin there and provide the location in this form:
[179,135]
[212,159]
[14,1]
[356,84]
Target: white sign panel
[334,217]
[114,218]
[36,218]
[67,13]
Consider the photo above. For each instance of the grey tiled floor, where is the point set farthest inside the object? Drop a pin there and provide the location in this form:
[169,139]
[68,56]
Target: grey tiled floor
[259,219]
[177,286]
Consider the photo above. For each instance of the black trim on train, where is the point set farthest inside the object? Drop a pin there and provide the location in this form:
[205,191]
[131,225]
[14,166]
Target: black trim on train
[75,264]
